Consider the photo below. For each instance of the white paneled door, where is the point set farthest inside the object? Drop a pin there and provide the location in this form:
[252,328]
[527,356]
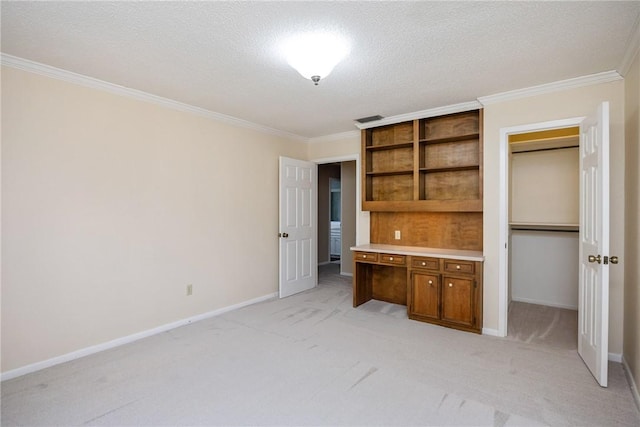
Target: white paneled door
[593,296]
[298,211]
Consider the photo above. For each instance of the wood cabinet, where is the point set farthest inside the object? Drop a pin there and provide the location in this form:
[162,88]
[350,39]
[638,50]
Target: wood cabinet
[425,296]
[422,180]
[458,300]
[448,293]
[431,164]
[444,291]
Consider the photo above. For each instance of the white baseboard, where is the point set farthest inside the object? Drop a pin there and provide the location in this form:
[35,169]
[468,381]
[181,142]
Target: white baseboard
[491,332]
[615,357]
[346,274]
[324,263]
[632,383]
[126,340]
[547,303]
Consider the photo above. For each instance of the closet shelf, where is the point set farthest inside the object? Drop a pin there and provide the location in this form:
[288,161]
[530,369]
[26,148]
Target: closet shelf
[523,226]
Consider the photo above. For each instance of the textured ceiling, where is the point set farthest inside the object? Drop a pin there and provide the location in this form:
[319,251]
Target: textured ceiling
[405,56]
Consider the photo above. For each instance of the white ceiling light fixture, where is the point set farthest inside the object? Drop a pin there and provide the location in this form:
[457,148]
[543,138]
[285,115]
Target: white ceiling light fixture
[314,55]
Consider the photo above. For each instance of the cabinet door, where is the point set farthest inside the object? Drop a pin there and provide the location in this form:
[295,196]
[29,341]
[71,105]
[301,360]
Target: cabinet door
[425,290]
[457,300]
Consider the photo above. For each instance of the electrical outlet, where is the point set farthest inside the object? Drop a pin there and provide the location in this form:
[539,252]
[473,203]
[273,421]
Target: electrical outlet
[397,234]
[189,290]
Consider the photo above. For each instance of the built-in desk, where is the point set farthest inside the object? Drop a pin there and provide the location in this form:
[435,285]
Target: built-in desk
[442,286]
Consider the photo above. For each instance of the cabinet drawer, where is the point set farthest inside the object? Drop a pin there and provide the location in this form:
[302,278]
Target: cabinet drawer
[424,262]
[392,259]
[366,256]
[456,266]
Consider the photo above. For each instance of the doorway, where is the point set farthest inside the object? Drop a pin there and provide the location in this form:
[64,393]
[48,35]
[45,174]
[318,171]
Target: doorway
[337,207]
[544,237]
[505,209]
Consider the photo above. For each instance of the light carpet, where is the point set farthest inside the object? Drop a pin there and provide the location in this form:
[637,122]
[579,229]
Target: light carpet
[312,359]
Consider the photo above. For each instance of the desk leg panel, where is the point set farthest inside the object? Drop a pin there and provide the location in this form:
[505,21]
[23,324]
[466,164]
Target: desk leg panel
[362,283]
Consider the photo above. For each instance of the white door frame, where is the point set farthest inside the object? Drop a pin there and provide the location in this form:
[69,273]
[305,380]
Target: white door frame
[503,241]
[360,223]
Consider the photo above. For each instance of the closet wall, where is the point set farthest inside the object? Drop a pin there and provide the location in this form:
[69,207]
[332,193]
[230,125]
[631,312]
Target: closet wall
[544,223]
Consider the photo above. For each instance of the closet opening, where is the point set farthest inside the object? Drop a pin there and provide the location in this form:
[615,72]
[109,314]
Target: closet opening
[544,168]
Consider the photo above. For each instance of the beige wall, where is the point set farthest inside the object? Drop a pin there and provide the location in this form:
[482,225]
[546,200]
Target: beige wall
[346,146]
[545,187]
[559,105]
[111,206]
[631,261]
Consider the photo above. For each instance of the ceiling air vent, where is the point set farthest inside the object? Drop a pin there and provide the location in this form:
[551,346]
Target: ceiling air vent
[369,119]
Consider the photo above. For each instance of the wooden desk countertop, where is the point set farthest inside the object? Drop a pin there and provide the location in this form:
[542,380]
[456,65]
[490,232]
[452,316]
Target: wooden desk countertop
[421,251]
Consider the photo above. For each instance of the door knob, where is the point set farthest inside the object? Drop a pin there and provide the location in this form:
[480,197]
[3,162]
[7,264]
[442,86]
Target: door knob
[285,235]
[597,259]
[613,260]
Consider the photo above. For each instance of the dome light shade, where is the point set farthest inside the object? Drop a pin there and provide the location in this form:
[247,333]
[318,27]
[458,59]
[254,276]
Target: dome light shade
[314,55]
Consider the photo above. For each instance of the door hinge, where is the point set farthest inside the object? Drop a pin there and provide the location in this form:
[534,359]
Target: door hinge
[606,260]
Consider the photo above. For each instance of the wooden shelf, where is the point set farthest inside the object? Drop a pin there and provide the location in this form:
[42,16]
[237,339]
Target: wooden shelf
[450,169]
[390,173]
[456,138]
[431,165]
[389,146]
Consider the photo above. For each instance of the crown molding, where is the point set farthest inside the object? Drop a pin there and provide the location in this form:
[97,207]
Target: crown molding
[604,77]
[432,112]
[335,137]
[90,82]
[633,47]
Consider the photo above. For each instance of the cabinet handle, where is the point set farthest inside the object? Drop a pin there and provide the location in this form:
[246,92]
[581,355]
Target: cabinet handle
[457,267]
[390,258]
[364,256]
[431,282]
[424,263]
[451,285]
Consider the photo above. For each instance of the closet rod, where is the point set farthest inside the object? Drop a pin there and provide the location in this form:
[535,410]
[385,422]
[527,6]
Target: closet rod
[543,149]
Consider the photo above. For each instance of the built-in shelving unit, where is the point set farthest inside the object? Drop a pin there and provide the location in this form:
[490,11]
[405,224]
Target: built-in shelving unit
[431,164]
[422,182]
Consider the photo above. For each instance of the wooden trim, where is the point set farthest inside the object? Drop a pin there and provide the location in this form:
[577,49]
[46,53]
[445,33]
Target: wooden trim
[416,159]
[481,155]
[423,205]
